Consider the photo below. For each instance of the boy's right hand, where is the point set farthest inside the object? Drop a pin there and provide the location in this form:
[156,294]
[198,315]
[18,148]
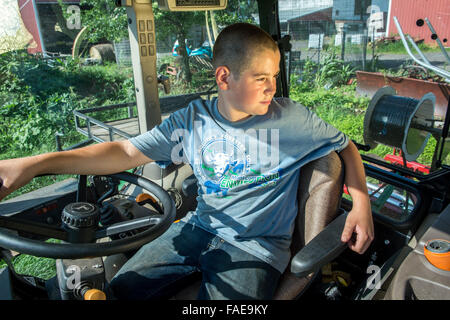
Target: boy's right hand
[14,173]
[98,159]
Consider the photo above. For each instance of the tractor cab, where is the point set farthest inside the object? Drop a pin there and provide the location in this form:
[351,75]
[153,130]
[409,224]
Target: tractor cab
[104,84]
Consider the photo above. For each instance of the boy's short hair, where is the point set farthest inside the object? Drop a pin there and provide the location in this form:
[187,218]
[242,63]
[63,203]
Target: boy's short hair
[237,44]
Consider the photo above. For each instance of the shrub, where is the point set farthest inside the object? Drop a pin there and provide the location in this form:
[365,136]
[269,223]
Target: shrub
[37,97]
[330,73]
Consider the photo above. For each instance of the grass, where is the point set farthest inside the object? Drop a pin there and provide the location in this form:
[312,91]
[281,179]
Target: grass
[25,264]
[394,47]
[397,47]
[339,107]
[43,268]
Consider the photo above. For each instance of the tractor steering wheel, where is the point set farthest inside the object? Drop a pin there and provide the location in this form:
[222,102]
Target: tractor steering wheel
[80,228]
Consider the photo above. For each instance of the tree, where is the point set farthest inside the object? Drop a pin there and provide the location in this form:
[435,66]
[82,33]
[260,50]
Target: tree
[237,11]
[169,23]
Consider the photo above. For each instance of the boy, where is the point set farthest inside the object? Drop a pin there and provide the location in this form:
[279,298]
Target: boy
[240,233]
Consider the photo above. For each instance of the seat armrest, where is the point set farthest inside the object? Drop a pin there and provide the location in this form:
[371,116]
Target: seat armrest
[189,186]
[322,249]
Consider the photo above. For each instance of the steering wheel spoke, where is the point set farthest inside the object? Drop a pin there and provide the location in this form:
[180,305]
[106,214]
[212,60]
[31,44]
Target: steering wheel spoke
[82,188]
[33,228]
[125,226]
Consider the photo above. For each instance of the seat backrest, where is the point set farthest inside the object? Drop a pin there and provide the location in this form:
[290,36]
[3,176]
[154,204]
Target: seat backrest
[319,195]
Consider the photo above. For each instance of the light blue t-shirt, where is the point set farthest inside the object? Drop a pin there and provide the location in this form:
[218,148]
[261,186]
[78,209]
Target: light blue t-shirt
[247,171]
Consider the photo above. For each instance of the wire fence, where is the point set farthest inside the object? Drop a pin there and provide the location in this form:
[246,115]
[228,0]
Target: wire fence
[343,28]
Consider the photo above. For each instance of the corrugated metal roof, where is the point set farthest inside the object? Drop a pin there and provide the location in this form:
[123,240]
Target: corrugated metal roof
[290,14]
[305,14]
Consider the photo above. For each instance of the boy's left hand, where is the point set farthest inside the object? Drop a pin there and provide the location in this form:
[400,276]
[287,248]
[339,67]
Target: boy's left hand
[359,222]
[359,219]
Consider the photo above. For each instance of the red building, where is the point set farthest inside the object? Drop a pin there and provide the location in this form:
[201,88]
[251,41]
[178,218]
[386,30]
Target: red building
[412,13]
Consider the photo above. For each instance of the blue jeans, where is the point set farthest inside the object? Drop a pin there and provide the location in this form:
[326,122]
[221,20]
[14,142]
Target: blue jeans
[164,266]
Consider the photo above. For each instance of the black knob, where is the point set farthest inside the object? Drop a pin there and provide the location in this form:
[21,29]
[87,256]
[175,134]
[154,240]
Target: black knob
[80,215]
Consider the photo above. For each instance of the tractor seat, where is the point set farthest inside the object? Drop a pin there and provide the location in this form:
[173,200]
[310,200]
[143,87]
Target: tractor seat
[316,238]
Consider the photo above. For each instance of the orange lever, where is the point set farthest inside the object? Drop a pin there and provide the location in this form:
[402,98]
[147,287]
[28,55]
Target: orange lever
[94,294]
[144,196]
[437,252]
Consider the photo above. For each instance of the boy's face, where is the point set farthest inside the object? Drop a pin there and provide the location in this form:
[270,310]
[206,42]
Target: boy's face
[253,91]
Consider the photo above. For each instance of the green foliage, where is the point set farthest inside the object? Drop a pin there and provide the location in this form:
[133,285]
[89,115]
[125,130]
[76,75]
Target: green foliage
[237,11]
[306,81]
[340,107]
[173,23]
[331,72]
[343,97]
[37,98]
[44,268]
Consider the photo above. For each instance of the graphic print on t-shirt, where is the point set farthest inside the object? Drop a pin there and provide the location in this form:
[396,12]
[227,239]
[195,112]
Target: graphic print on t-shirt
[224,164]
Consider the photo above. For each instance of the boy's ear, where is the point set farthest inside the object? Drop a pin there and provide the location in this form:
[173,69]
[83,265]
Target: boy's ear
[223,75]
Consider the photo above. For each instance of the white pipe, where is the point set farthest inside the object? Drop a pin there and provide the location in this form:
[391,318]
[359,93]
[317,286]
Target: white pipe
[214,25]
[417,49]
[388,18]
[437,39]
[207,30]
